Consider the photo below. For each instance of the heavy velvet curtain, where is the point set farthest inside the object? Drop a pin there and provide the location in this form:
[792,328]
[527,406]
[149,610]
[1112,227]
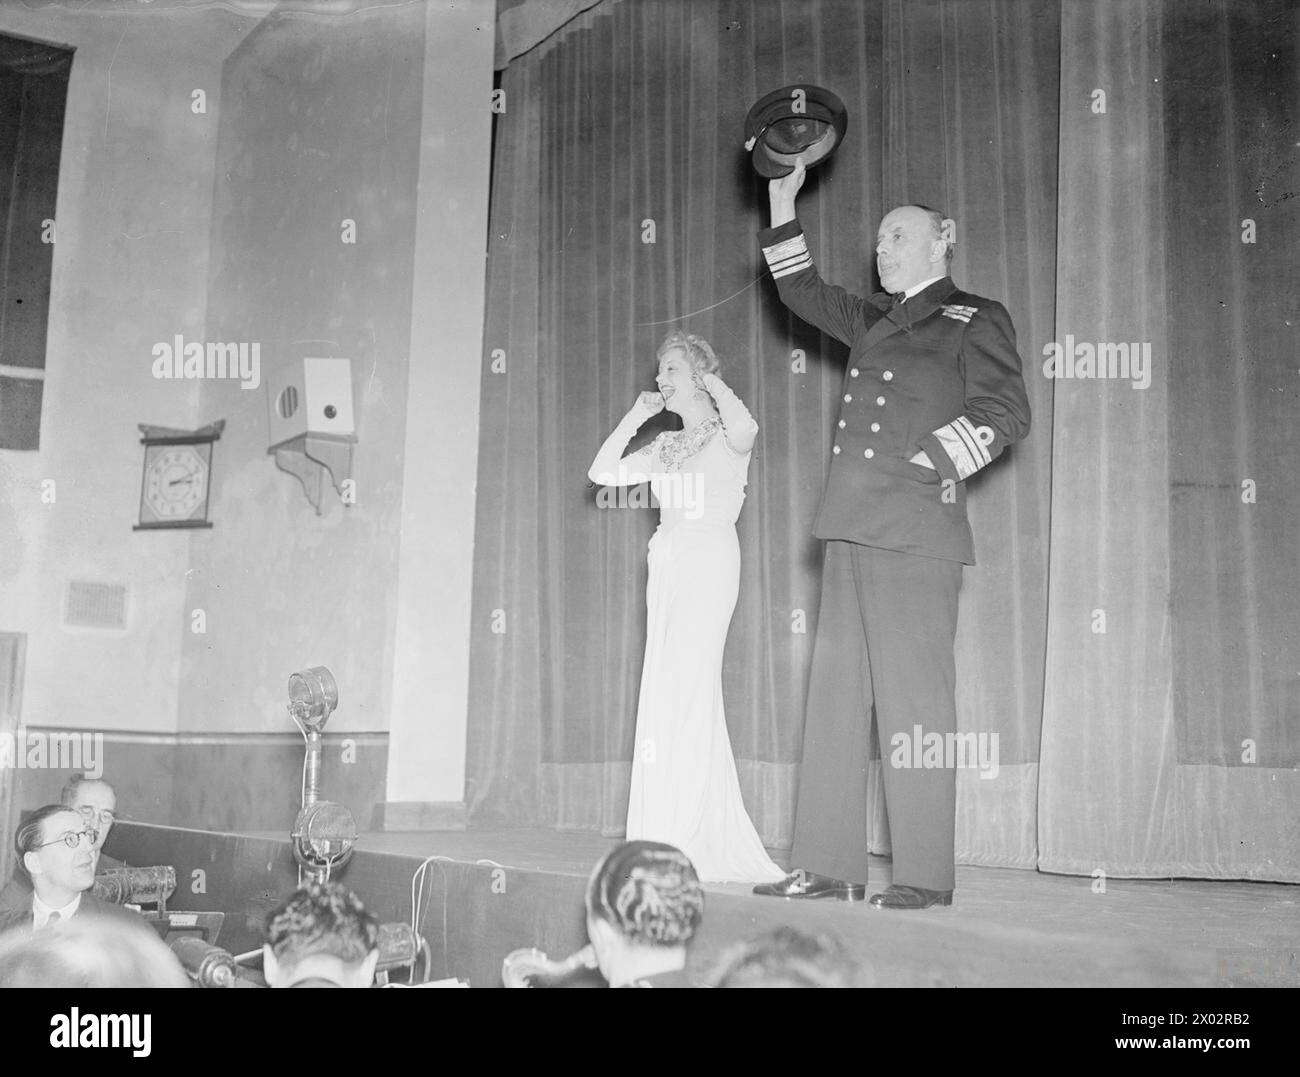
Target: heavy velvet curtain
[1171,719]
[623,206]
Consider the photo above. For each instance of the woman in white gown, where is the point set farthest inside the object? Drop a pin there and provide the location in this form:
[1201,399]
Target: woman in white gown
[684,786]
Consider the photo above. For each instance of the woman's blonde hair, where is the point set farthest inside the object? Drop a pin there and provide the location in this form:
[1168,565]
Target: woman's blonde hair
[699,353]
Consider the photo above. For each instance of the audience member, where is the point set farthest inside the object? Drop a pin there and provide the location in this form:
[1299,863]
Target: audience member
[321,937]
[58,852]
[786,957]
[96,801]
[89,952]
[644,904]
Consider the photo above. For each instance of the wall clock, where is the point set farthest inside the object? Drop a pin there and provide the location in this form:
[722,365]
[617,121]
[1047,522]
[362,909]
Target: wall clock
[177,482]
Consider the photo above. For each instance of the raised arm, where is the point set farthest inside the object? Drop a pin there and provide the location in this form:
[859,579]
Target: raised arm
[738,426]
[831,309]
[611,467]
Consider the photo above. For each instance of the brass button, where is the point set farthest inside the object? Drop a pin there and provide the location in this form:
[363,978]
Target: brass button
[875,428]
[836,450]
[848,398]
[842,424]
[869,453]
[881,401]
[888,375]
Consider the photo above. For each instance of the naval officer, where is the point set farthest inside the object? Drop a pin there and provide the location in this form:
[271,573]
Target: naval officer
[932,393]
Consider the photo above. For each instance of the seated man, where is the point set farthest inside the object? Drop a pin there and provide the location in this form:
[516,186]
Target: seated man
[96,801]
[321,937]
[644,904]
[59,853]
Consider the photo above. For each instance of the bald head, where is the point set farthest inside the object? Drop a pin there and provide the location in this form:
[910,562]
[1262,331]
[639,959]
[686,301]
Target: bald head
[912,245]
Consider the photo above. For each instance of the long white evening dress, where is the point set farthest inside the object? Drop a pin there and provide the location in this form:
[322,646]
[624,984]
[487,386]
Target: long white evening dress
[685,790]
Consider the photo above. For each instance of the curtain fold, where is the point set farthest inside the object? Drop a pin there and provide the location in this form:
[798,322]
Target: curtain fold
[1127,626]
[1232,82]
[1106,796]
[1172,713]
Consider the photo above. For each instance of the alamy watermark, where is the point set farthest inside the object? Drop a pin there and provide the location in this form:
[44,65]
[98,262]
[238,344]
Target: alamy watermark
[177,359]
[672,490]
[1105,360]
[54,750]
[945,751]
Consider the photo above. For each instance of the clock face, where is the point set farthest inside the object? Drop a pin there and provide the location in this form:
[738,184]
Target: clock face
[175,482]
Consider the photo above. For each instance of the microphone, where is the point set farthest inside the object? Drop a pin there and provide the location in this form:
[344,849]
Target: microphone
[208,966]
[136,886]
[323,836]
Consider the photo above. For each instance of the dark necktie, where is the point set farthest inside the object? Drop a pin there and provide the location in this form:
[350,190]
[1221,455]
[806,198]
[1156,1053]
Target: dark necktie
[55,917]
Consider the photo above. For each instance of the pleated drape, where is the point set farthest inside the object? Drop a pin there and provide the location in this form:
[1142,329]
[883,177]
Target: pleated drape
[1171,721]
[1105,794]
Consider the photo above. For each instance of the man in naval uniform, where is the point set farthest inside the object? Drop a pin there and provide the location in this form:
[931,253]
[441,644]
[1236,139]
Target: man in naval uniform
[932,393]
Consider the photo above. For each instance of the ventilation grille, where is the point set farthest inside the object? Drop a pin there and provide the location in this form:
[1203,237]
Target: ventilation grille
[95,605]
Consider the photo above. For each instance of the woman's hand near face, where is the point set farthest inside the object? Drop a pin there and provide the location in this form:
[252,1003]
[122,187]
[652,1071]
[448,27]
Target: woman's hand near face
[651,402]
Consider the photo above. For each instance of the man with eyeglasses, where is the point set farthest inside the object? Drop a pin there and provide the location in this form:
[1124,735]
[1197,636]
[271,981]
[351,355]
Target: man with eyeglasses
[59,852]
[96,801]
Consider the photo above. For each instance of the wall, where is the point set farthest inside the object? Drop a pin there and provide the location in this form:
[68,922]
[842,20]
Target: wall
[130,268]
[229,227]
[319,125]
[426,762]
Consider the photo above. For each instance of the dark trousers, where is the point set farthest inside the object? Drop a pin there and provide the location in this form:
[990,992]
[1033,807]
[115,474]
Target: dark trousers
[884,643]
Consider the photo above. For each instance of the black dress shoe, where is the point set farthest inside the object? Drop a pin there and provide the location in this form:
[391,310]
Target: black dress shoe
[910,897]
[808,884]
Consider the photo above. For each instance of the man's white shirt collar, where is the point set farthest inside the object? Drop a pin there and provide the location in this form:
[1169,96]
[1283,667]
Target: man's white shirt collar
[41,912]
[916,288]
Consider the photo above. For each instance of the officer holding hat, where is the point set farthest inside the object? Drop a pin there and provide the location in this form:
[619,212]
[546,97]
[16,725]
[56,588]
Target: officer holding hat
[932,393]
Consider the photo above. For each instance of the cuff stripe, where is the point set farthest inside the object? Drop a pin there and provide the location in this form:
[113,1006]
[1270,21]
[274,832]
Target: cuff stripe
[781,263]
[965,448]
[971,437]
[982,442]
[787,248]
[797,267]
[957,451]
[788,256]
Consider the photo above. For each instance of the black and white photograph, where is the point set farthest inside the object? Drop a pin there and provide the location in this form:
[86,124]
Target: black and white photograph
[651,494]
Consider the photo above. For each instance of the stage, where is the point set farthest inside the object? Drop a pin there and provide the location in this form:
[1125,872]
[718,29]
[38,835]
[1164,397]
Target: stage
[493,891]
